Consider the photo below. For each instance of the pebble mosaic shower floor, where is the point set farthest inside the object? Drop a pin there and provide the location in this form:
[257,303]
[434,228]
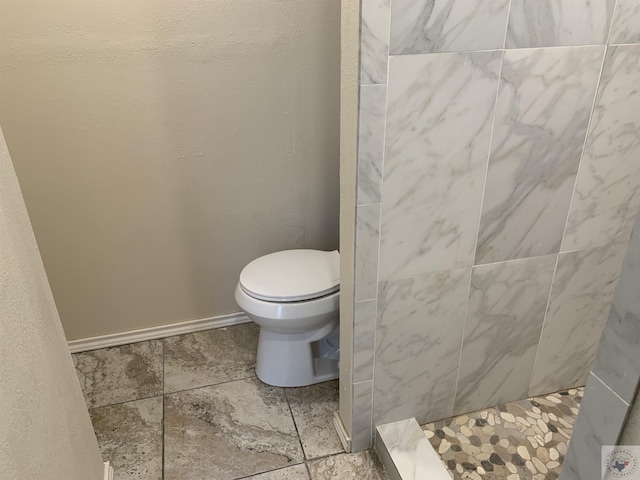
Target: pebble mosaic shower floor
[521,440]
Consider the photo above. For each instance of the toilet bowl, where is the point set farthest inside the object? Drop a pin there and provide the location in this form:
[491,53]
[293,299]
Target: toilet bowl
[294,297]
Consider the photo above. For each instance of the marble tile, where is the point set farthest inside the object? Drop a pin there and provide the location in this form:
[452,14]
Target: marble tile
[626,23]
[228,431]
[427,26]
[210,357]
[312,408]
[439,115]
[607,192]
[599,423]
[297,472]
[120,374]
[411,455]
[552,23]
[373,102]
[130,437]
[507,302]
[361,430]
[618,359]
[362,465]
[543,109]
[367,241]
[374,41]
[420,324]
[364,333]
[578,309]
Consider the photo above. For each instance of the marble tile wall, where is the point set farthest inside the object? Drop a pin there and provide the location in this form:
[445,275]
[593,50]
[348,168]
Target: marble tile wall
[498,183]
[615,377]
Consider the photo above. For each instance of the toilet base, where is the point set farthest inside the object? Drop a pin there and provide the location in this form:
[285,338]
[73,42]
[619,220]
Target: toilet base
[289,360]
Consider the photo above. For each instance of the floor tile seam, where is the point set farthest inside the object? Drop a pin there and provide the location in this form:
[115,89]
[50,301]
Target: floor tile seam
[211,385]
[125,401]
[245,477]
[295,424]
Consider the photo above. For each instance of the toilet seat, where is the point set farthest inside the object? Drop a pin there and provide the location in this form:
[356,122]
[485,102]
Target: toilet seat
[292,276]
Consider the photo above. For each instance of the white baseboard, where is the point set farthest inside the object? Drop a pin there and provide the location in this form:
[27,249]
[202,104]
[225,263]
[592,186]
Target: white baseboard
[153,333]
[108,471]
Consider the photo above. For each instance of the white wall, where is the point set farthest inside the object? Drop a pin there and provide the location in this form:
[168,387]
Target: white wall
[45,428]
[183,138]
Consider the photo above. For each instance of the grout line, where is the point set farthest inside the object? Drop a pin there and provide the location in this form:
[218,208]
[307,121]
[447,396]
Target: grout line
[584,146]
[211,385]
[486,171]
[610,389]
[126,401]
[544,323]
[270,471]
[475,247]
[506,30]
[295,425]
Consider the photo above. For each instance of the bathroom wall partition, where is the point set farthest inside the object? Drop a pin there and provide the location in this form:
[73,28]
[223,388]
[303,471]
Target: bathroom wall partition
[497,185]
[609,411]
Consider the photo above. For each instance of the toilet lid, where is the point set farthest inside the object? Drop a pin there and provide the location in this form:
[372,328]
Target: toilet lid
[292,275]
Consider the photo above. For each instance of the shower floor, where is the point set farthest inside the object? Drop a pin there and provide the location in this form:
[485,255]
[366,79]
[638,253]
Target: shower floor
[520,440]
[190,407]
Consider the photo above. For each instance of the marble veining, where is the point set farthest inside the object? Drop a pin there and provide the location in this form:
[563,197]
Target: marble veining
[439,115]
[420,323]
[618,361]
[543,109]
[364,333]
[599,422]
[426,26]
[228,431]
[210,357]
[362,466]
[578,308]
[626,23]
[367,243]
[374,41]
[552,23]
[120,374]
[130,437]
[371,143]
[362,434]
[411,453]
[607,193]
[507,302]
[312,408]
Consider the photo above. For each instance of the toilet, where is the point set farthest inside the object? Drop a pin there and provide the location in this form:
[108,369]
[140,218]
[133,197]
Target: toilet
[294,295]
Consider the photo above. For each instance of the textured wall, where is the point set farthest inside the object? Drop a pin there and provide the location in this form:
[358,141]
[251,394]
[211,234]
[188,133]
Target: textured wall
[182,140]
[612,387]
[46,431]
[497,187]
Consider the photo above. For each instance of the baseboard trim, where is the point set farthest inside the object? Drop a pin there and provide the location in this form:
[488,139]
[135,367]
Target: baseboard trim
[345,439]
[108,471]
[153,333]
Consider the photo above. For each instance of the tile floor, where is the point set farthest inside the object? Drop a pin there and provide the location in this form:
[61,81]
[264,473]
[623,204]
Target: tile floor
[190,408]
[520,440]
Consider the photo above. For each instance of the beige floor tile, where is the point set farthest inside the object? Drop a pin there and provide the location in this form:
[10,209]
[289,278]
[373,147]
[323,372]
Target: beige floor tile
[120,374]
[313,408]
[228,431]
[130,437]
[211,357]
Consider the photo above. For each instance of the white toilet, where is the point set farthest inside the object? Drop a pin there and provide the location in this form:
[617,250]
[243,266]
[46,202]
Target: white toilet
[294,296]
